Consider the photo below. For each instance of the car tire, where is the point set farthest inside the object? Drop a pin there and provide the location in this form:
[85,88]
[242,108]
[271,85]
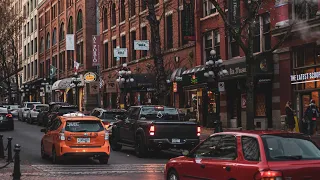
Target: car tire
[114,144]
[54,158]
[43,153]
[140,147]
[173,175]
[103,160]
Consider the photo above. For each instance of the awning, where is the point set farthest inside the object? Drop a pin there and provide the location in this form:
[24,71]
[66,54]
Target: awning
[176,74]
[194,70]
[55,85]
[62,84]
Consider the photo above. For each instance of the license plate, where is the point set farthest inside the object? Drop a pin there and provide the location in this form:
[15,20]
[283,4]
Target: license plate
[83,140]
[175,141]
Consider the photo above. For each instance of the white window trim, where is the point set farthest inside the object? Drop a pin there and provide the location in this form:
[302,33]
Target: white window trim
[209,7]
[213,41]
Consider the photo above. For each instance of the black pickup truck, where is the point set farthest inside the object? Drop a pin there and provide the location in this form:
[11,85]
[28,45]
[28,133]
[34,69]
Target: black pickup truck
[153,128]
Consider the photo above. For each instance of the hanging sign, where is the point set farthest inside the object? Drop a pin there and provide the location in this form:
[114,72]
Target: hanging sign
[221,87]
[95,50]
[175,87]
[94,87]
[120,52]
[142,45]
[90,77]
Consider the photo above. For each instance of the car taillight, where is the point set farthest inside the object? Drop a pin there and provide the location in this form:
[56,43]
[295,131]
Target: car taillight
[152,130]
[62,136]
[268,175]
[9,115]
[106,135]
[198,131]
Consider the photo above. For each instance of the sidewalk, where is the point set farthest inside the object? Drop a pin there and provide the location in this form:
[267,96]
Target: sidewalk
[6,172]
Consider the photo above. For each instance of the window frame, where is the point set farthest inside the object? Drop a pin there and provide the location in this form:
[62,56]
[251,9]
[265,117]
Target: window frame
[207,10]
[244,157]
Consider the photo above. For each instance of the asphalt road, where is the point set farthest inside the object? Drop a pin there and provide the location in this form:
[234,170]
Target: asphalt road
[122,165]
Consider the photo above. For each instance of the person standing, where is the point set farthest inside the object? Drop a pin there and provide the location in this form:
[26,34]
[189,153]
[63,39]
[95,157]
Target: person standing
[290,116]
[310,116]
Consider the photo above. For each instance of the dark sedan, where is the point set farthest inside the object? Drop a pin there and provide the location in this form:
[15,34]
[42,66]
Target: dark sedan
[6,119]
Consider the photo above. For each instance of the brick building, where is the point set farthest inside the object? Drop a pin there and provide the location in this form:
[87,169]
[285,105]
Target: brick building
[125,21]
[58,18]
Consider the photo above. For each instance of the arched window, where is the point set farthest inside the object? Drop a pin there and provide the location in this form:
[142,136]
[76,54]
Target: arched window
[54,36]
[113,10]
[70,25]
[123,11]
[79,20]
[42,44]
[48,41]
[61,32]
[105,19]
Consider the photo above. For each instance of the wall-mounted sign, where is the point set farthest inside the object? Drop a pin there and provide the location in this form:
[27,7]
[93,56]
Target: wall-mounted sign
[95,50]
[221,87]
[175,87]
[178,78]
[304,78]
[142,45]
[120,52]
[90,77]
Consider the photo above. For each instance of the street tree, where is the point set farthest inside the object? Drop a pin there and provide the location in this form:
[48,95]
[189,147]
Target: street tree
[242,28]
[10,30]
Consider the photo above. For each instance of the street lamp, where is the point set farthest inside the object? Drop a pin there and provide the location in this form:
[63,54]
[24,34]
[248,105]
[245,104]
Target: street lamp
[214,69]
[124,78]
[75,81]
[44,84]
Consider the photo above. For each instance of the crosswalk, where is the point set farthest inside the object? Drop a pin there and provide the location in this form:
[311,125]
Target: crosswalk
[98,169]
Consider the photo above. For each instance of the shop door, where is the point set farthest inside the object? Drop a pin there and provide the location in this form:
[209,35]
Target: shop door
[305,101]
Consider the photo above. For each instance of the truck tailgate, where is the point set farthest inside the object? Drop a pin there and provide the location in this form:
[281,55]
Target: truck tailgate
[181,130]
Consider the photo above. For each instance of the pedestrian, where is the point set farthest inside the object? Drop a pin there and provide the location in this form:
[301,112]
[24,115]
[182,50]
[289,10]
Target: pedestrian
[310,117]
[290,122]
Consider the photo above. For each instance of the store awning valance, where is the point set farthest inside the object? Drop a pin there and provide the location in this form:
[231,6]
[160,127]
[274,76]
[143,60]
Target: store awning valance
[177,73]
[62,84]
[194,70]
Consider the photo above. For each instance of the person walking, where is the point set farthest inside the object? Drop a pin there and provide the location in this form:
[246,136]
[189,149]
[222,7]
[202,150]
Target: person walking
[310,117]
[290,122]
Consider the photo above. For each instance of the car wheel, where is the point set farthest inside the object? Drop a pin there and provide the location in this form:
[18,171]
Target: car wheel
[173,175]
[114,144]
[55,159]
[43,153]
[140,147]
[103,160]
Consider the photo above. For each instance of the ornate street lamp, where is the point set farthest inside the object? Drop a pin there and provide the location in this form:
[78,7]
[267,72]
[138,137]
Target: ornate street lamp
[214,69]
[76,80]
[125,78]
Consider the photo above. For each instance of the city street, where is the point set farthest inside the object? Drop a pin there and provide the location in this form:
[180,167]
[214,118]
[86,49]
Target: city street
[122,165]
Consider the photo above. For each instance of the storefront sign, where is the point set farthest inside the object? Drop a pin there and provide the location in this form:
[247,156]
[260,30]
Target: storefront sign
[175,87]
[303,78]
[90,77]
[94,87]
[120,52]
[142,45]
[178,78]
[95,50]
[111,87]
[263,81]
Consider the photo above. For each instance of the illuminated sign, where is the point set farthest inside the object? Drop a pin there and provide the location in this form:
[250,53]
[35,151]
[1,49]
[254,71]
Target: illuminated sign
[304,78]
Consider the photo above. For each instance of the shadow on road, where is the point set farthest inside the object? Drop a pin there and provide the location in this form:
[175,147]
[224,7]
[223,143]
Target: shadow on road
[153,155]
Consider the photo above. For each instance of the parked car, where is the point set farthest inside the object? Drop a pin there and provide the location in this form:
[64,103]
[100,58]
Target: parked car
[108,116]
[59,110]
[75,136]
[153,128]
[6,119]
[33,113]
[13,110]
[22,113]
[42,118]
[248,155]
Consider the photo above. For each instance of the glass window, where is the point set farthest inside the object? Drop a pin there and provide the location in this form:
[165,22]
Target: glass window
[105,19]
[169,32]
[66,110]
[155,113]
[84,126]
[111,115]
[79,20]
[250,148]
[113,15]
[289,147]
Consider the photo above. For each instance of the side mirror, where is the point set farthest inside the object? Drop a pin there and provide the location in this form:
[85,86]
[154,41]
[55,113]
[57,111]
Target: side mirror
[44,130]
[185,153]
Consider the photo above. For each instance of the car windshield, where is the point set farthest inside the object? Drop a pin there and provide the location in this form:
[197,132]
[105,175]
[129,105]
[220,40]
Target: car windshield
[12,107]
[153,113]
[111,115]
[84,126]
[30,105]
[289,147]
[66,110]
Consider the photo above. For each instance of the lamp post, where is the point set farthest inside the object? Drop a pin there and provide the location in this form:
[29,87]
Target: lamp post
[124,78]
[44,84]
[76,80]
[214,69]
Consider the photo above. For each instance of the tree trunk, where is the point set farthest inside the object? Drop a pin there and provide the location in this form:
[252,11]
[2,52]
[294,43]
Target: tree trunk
[161,84]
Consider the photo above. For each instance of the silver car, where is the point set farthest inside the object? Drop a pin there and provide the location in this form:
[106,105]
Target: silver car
[32,113]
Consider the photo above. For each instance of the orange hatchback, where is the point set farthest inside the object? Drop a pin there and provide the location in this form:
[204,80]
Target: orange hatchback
[75,136]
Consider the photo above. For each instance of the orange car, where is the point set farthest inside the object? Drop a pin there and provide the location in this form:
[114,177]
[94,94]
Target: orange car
[75,136]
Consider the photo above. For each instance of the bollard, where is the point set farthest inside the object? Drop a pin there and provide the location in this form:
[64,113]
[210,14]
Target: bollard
[1,147]
[16,169]
[9,150]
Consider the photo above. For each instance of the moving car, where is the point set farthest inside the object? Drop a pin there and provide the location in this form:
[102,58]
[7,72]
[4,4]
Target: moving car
[42,117]
[154,128]
[258,155]
[6,119]
[13,110]
[22,112]
[73,135]
[33,113]
[108,116]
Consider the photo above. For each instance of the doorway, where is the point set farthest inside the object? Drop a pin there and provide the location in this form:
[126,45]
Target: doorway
[305,100]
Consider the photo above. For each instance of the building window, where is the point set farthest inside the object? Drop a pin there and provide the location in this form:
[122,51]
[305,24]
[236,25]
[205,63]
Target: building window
[80,52]
[132,8]
[208,8]
[79,20]
[48,41]
[28,49]
[144,36]
[105,19]
[28,28]
[61,6]
[61,35]
[304,10]
[143,5]
[123,11]
[211,41]
[25,73]
[70,25]
[35,45]
[25,52]
[169,32]
[25,31]
[123,45]
[32,68]
[69,3]
[35,22]
[133,52]
[28,71]
[31,47]
[262,36]
[106,55]
[266,32]
[260,105]
[114,45]
[36,67]
[70,55]
[31,25]
[113,14]
[53,11]
[42,44]
[54,36]
[41,69]
[47,67]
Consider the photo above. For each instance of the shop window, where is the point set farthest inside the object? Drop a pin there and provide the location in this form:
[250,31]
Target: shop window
[315,97]
[260,105]
[310,85]
[306,55]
